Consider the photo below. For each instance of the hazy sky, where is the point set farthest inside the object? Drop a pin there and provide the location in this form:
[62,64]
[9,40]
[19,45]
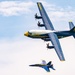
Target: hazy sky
[17,52]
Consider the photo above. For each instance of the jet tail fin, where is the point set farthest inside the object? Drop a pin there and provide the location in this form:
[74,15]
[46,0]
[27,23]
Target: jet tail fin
[72,27]
[52,67]
[49,63]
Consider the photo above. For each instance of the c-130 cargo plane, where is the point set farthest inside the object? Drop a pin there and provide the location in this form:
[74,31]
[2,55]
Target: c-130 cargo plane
[50,34]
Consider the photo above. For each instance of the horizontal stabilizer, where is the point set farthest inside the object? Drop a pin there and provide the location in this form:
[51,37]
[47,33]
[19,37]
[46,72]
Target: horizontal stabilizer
[52,67]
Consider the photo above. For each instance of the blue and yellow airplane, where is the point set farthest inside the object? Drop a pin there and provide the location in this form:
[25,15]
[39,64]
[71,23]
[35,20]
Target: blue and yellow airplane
[44,65]
[50,34]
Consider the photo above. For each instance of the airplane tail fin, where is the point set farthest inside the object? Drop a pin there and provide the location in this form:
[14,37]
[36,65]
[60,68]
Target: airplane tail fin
[72,28]
[71,25]
[51,66]
[49,63]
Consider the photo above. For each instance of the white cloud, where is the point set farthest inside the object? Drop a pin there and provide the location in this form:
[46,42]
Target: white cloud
[62,15]
[17,55]
[57,13]
[9,8]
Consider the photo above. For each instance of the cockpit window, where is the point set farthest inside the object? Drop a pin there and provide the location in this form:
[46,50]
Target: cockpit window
[29,33]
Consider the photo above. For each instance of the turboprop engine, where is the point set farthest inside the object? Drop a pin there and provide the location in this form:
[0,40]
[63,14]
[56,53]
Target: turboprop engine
[37,17]
[40,25]
[49,47]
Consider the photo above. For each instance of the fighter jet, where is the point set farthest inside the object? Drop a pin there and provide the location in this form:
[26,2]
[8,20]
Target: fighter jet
[44,65]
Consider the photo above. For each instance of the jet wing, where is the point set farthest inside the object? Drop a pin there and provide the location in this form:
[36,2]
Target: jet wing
[53,36]
[46,68]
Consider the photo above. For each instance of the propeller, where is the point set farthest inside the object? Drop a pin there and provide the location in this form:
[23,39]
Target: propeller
[47,45]
[35,16]
[38,23]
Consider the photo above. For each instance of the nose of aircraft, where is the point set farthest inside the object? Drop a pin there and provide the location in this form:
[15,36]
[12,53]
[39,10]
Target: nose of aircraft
[26,34]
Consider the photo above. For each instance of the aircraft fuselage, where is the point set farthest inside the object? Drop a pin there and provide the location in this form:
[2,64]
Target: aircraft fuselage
[43,34]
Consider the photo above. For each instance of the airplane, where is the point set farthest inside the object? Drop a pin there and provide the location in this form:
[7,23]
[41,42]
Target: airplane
[50,34]
[44,65]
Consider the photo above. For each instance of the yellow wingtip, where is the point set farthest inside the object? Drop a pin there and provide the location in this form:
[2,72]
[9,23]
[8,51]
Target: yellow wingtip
[62,60]
[70,21]
[39,5]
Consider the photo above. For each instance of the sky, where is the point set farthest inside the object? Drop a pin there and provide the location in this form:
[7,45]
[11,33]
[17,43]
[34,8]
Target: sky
[17,52]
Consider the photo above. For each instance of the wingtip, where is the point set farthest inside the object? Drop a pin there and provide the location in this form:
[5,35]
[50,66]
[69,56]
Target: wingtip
[62,60]
[70,21]
[38,2]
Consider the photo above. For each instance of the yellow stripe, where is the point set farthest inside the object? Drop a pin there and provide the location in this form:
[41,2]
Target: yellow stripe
[39,6]
[62,60]
[70,21]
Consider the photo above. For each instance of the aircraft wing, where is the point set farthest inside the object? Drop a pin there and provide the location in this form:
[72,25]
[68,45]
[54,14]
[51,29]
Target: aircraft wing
[46,68]
[56,44]
[53,36]
[45,18]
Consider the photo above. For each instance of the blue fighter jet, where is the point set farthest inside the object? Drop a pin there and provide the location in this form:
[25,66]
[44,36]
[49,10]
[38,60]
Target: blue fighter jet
[44,65]
[50,34]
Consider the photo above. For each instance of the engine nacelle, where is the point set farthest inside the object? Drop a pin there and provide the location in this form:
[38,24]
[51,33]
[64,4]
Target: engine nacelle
[49,47]
[46,39]
[37,17]
[40,25]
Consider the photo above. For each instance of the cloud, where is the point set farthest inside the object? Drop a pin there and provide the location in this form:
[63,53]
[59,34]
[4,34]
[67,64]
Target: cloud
[17,55]
[56,13]
[59,13]
[62,14]
[10,8]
